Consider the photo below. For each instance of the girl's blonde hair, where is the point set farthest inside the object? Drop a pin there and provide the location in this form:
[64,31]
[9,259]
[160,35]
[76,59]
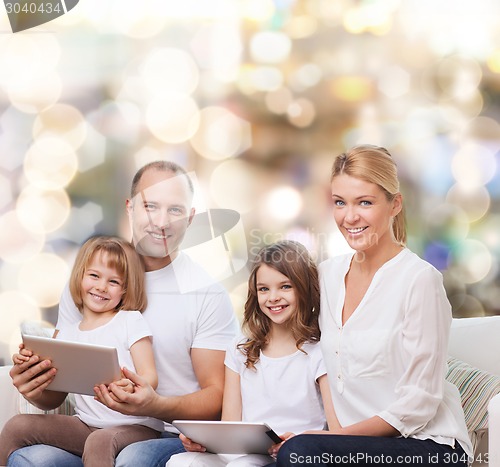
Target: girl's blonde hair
[373,164]
[120,255]
[292,260]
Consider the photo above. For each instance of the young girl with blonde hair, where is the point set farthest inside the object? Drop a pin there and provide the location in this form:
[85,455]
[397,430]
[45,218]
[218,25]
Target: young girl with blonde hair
[107,286]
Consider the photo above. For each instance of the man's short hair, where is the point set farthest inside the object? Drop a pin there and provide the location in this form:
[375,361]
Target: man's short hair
[160,166]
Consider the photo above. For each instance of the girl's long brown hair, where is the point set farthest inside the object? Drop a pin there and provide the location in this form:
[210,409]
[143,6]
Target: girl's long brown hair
[291,259]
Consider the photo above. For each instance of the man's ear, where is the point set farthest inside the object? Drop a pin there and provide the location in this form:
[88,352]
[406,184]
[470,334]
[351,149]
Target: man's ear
[191,216]
[128,206]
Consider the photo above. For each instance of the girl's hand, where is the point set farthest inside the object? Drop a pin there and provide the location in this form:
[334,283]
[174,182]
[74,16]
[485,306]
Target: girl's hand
[191,446]
[273,450]
[125,385]
[23,355]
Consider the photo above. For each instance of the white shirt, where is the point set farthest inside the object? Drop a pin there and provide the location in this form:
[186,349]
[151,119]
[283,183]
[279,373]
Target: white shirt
[181,318]
[282,392]
[122,331]
[389,358]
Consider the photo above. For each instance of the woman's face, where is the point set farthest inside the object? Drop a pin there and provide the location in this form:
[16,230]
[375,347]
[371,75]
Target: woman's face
[363,213]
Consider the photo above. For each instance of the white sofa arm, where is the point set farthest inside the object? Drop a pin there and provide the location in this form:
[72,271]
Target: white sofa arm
[8,396]
[494,431]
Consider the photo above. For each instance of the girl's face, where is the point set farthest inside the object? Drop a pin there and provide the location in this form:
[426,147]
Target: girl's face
[275,294]
[102,287]
[363,213]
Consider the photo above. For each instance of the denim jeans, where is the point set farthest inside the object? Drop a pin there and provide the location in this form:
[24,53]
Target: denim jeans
[151,453]
[40,455]
[321,450]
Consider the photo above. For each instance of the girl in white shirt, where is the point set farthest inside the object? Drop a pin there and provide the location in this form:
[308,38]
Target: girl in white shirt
[385,323]
[107,279]
[275,374]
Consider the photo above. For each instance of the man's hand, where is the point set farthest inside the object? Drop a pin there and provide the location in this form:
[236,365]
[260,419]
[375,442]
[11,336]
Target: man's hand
[139,402]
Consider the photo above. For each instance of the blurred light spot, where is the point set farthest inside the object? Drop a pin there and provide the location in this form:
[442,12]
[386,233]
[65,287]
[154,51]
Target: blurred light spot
[49,209]
[306,76]
[446,224]
[93,150]
[266,78]
[50,163]
[258,10]
[489,233]
[351,88]
[438,255]
[82,222]
[284,203]
[169,72]
[173,120]
[221,134]
[471,261]
[43,278]
[301,112]
[473,165]
[218,47]
[232,186]
[459,77]
[14,126]
[394,82]
[300,26]
[372,17]
[27,57]
[469,307]
[17,243]
[475,202]
[270,47]
[279,100]
[137,19]
[61,120]
[493,61]
[484,129]
[5,192]
[15,307]
[35,93]
[120,120]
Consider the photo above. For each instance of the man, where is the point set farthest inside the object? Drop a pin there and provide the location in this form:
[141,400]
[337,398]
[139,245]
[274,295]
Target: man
[191,327]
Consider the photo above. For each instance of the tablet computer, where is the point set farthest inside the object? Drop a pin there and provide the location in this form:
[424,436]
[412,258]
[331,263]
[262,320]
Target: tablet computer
[79,366]
[229,437]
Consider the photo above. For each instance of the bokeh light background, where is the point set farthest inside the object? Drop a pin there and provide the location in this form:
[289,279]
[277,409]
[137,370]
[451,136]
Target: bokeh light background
[255,97]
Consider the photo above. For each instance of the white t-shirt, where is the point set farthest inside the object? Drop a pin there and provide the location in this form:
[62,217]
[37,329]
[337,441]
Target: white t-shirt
[389,359]
[180,318]
[122,331]
[282,392]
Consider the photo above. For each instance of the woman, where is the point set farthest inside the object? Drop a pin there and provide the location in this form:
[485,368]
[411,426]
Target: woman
[385,323]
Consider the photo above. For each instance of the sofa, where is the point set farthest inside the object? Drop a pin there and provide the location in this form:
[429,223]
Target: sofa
[473,366]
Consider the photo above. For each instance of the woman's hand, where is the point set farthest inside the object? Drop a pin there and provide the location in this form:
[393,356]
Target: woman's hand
[273,450]
[190,445]
[125,385]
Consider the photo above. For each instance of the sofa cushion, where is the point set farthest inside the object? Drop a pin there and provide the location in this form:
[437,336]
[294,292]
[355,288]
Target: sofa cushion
[476,388]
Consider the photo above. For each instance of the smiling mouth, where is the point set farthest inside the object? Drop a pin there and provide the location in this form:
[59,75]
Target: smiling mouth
[158,236]
[277,309]
[357,230]
[97,297]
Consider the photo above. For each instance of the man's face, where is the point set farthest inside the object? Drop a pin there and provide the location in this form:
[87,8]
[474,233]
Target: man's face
[159,215]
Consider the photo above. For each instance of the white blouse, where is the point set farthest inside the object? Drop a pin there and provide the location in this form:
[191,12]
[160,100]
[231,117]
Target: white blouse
[389,359]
